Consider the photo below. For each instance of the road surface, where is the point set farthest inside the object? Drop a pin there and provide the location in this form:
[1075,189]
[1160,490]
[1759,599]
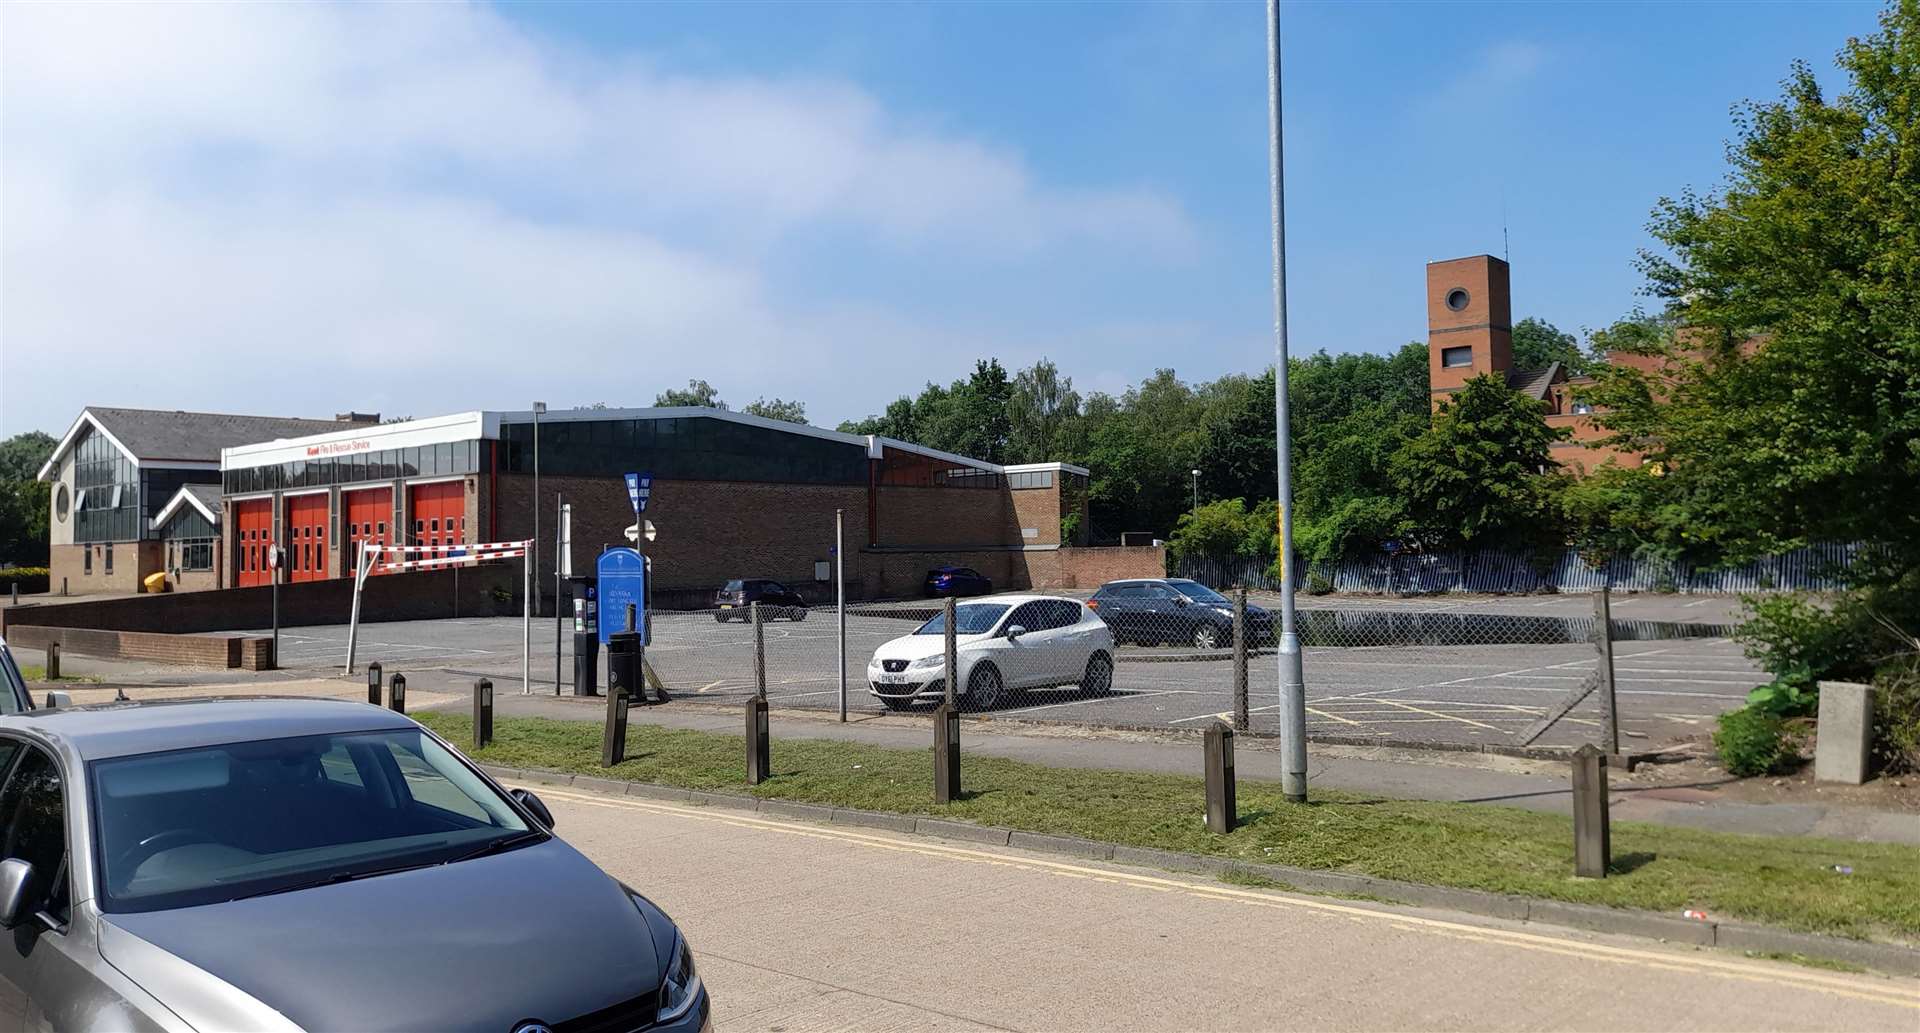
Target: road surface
[807,927]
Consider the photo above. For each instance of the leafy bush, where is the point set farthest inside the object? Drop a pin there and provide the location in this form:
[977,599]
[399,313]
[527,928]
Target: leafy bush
[1791,695]
[1750,741]
[1318,584]
[1896,716]
[30,579]
[1792,634]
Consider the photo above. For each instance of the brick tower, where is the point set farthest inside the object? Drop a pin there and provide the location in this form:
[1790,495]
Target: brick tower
[1469,322]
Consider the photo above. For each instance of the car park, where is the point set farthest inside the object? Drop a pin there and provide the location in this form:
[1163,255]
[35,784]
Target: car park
[280,864]
[1175,611]
[957,581]
[734,599]
[1003,644]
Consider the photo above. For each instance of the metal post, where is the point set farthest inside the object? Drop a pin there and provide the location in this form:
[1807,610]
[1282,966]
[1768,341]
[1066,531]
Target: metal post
[1592,833]
[533,544]
[373,683]
[526,622]
[353,619]
[946,753]
[1293,688]
[1240,713]
[1223,811]
[482,713]
[759,651]
[14,589]
[276,609]
[613,735]
[953,653]
[559,529]
[1603,641]
[840,600]
[53,661]
[759,756]
[397,693]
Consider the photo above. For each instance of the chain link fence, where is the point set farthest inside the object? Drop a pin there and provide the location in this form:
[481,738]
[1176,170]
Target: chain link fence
[1174,654]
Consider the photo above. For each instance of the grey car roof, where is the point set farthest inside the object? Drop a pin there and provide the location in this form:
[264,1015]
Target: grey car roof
[124,729]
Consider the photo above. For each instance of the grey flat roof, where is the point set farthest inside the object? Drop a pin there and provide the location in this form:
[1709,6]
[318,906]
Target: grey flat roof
[125,729]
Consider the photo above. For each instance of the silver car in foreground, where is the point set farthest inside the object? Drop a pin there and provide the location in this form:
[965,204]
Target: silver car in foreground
[303,864]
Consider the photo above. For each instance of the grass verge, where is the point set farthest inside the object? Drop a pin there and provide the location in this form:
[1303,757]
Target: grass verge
[1786,882]
[38,673]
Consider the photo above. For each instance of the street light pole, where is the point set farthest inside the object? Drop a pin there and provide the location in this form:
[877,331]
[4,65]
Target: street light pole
[1293,689]
[534,544]
[1196,493]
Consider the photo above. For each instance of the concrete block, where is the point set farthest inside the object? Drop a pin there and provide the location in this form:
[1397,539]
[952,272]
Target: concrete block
[1617,920]
[1891,958]
[550,778]
[1170,860]
[961,830]
[789,809]
[1072,845]
[668,794]
[874,820]
[1478,902]
[1845,734]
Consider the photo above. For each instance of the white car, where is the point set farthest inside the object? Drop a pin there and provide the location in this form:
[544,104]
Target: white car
[1004,643]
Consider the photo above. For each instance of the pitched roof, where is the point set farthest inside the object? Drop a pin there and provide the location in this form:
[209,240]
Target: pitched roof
[172,435]
[203,497]
[1534,382]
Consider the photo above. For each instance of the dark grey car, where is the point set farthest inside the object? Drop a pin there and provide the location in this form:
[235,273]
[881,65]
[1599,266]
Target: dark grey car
[304,864]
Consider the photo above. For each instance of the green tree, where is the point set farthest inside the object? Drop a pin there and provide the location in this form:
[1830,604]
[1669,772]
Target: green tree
[698,392]
[24,501]
[1538,344]
[1042,409]
[1788,410]
[777,409]
[1482,474]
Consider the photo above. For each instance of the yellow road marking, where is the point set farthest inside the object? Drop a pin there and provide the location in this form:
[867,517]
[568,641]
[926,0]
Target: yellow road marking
[1449,717]
[1334,717]
[1856,987]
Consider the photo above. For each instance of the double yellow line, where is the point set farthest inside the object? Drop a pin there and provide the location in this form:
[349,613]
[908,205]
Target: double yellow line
[1862,988]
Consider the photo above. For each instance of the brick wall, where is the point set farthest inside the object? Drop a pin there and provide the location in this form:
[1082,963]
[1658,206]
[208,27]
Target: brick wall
[1038,508]
[195,580]
[131,562]
[253,653]
[1091,568]
[942,518]
[426,595]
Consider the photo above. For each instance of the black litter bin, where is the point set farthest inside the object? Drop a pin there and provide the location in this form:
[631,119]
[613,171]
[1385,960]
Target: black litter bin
[586,635]
[623,665]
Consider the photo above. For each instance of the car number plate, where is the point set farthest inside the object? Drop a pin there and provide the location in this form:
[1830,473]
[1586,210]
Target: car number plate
[726,606]
[893,679]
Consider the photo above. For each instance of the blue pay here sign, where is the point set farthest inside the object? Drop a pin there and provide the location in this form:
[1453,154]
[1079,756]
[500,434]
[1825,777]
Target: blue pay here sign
[639,490]
[622,581]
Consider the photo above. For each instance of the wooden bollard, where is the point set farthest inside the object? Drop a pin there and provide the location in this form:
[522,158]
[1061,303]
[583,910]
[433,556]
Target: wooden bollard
[946,753]
[373,684]
[613,733]
[1592,833]
[482,713]
[1223,811]
[397,693]
[53,661]
[759,752]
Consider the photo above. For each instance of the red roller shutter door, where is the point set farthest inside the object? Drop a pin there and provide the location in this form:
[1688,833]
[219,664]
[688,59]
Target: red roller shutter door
[306,537]
[368,512]
[253,533]
[439,515]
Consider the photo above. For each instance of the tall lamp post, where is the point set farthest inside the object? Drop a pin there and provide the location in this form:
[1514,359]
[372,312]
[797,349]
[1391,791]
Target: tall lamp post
[539,409]
[1196,493]
[1293,689]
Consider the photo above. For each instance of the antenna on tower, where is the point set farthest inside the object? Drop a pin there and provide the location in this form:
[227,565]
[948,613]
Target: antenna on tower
[1506,253]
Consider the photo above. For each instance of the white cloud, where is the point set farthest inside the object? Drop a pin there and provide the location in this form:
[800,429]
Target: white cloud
[292,208]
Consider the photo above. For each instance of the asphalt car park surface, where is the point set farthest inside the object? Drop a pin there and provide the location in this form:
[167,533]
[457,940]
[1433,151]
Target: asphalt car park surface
[1668,689]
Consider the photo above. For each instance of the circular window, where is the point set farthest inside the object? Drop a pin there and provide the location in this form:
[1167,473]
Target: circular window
[61,503]
[1457,298]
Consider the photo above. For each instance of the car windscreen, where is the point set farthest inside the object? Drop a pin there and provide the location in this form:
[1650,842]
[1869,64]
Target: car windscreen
[1199,593]
[215,823]
[968,619]
[13,686]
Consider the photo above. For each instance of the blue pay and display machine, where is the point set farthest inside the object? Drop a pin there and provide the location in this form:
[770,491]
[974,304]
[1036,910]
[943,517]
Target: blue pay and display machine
[623,581]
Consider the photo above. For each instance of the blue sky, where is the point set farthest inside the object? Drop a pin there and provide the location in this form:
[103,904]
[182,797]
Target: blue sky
[425,209]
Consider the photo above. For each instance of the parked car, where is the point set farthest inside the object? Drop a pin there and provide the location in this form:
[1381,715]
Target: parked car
[1175,610]
[1003,645]
[957,581]
[282,864]
[776,600]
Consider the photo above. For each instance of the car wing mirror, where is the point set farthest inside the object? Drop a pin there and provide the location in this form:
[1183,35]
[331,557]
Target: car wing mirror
[530,802]
[16,876]
[1179,600]
[56,700]
[1015,632]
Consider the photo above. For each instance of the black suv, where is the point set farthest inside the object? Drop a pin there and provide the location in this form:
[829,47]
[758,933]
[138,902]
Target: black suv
[776,600]
[1175,610]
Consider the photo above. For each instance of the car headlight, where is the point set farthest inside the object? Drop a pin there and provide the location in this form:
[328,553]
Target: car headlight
[682,986]
[936,660]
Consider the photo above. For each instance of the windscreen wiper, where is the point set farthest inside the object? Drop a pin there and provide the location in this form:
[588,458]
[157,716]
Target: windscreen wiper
[328,880]
[498,845]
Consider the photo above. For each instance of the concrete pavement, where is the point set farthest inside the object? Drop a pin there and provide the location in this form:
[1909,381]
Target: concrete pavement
[800,927]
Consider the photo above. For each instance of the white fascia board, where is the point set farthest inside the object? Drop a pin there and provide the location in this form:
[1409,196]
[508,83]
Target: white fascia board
[435,430]
[180,498]
[907,446]
[85,419]
[1039,467]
